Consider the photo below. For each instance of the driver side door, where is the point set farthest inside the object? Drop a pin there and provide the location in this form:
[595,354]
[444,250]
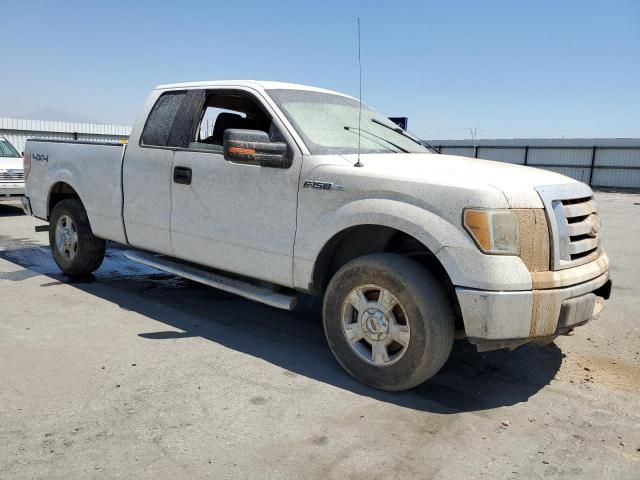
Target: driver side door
[234,217]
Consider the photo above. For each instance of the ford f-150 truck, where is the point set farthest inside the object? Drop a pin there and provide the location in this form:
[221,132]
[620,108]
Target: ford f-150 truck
[11,172]
[300,189]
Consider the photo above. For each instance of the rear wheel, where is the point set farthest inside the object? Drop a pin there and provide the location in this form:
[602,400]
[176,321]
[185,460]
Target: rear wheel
[388,321]
[76,250]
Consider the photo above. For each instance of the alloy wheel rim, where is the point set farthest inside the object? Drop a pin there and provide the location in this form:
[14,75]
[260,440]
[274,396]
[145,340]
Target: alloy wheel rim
[375,325]
[66,237]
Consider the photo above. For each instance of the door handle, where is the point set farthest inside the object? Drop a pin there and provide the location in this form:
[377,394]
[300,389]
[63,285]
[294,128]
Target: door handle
[182,175]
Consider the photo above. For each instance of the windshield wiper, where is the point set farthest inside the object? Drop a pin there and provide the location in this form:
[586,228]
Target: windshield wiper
[422,143]
[355,130]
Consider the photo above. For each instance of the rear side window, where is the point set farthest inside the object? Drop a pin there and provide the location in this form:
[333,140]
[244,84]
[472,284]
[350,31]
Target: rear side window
[158,127]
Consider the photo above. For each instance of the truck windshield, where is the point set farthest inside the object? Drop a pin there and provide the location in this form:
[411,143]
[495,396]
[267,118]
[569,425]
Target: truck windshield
[7,150]
[328,124]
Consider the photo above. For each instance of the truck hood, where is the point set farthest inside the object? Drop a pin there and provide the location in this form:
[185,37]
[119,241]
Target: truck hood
[11,163]
[516,182]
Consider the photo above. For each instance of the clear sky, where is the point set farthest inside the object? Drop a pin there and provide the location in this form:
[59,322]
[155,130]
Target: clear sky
[507,68]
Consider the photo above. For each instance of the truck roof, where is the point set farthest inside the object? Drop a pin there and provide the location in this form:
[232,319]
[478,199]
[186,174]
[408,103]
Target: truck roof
[257,84]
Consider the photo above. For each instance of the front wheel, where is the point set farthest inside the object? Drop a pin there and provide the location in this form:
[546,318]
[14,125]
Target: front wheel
[388,321]
[76,250]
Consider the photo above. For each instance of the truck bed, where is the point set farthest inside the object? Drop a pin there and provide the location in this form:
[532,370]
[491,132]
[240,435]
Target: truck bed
[93,167]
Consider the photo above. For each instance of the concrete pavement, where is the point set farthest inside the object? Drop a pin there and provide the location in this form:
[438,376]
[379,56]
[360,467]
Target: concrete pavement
[138,374]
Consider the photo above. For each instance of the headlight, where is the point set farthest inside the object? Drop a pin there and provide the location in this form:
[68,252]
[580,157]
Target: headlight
[494,231]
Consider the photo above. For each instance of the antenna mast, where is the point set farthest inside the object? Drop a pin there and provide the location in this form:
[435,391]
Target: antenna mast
[358,164]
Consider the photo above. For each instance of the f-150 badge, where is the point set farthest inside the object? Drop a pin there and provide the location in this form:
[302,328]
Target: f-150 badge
[323,185]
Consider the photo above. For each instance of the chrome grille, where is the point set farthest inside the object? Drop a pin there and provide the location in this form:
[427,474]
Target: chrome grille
[574,224]
[11,176]
[583,228]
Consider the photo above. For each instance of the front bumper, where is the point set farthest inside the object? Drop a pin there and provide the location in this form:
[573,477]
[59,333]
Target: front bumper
[10,191]
[509,319]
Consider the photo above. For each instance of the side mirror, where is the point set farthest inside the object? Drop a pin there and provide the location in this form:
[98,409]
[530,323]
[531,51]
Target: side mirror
[253,147]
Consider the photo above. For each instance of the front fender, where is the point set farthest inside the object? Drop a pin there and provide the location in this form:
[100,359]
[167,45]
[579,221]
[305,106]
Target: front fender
[460,257]
[433,231]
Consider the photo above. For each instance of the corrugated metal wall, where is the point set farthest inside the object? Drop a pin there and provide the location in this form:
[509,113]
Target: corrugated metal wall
[600,162]
[17,131]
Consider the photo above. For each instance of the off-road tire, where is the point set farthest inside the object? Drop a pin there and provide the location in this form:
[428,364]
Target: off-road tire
[428,311]
[90,249]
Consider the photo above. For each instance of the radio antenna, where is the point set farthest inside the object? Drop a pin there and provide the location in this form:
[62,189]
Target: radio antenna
[358,164]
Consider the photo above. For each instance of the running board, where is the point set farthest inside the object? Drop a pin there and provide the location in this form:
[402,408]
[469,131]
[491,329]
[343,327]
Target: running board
[232,285]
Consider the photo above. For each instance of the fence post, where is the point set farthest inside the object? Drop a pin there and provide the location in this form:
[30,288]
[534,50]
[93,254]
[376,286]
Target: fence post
[526,154]
[593,162]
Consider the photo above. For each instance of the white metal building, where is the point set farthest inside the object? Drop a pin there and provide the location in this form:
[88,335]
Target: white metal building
[600,162]
[17,131]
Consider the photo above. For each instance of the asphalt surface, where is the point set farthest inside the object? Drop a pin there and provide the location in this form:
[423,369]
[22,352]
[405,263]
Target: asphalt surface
[138,374]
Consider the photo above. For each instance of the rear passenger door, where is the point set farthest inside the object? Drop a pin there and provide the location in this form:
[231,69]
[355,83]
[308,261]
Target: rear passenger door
[147,172]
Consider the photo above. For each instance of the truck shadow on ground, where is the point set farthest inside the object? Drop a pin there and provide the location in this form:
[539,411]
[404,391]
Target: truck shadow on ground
[470,381]
[11,209]
[294,341]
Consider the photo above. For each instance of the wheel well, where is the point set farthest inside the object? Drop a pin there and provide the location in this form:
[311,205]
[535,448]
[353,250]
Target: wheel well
[363,240]
[59,192]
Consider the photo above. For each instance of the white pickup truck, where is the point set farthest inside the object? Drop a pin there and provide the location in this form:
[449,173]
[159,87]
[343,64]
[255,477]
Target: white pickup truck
[11,172]
[290,191]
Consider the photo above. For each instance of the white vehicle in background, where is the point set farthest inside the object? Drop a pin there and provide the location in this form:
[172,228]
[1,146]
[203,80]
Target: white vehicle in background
[11,172]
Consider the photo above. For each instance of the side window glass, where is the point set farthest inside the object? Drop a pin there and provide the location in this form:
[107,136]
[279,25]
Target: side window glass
[158,127]
[4,150]
[7,150]
[223,110]
[209,120]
